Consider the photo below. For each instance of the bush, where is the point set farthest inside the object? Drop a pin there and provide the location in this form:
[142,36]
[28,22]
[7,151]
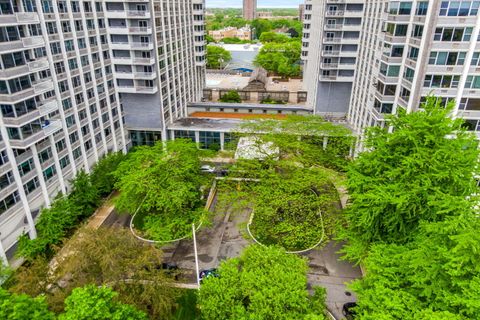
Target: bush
[231,97]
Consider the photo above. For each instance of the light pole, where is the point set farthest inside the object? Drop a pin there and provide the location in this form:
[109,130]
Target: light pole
[196,255]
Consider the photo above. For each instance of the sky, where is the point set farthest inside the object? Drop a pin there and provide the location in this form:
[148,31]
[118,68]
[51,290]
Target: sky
[260,3]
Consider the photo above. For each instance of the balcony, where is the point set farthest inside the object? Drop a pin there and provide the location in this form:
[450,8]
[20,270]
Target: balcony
[35,89]
[25,69]
[50,128]
[19,17]
[132,45]
[44,109]
[137,89]
[33,42]
[135,75]
[129,30]
[344,13]
[127,14]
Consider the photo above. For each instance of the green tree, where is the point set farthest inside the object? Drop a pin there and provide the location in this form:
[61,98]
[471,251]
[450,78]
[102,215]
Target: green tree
[114,258]
[231,97]
[164,182]
[52,226]
[85,196]
[102,177]
[260,26]
[22,306]
[217,57]
[271,36]
[263,283]
[435,276]
[422,170]
[94,303]
[281,58]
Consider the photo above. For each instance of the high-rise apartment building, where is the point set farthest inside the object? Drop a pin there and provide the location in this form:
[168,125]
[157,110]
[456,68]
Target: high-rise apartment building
[74,75]
[249,9]
[406,51]
[331,36]
[301,12]
[411,49]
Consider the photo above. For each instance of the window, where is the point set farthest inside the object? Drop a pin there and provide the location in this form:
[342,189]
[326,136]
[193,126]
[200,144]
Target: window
[49,173]
[65,161]
[453,34]
[413,53]
[31,185]
[9,201]
[441,81]
[409,74]
[417,31]
[447,58]
[459,8]
[6,180]
[26,167]
[45,154]
[473,82]
[422,7]
[77,153]
[60,145]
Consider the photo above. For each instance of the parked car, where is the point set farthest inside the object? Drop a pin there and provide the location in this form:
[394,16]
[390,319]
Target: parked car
[208,273]
[348,310]
[207,168]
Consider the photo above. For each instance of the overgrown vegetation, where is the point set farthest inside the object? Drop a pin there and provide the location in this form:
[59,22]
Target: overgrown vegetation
[94,258]
[288,205]
[67,212]
[163,183]
[249,288]
[412,219]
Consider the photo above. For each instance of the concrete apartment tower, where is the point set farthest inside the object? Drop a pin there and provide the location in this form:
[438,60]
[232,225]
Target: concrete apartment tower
[249,9]
[331,37]
[74,75]
[411,49]
[406,50]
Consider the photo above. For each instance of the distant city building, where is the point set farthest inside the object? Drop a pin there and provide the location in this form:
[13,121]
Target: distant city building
[301,12]
[249,9]
[265,15]
[244,33]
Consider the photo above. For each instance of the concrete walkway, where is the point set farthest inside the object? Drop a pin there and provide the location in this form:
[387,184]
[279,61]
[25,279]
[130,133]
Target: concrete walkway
[328,271]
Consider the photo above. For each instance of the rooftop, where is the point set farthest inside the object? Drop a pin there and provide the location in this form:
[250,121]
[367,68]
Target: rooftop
[229,81]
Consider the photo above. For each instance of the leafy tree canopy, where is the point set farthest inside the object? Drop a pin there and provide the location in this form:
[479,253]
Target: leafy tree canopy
[271,36]
[281,58]
[263,283]
[98,303]
[22,306]
[435,276]
[423,170]
[217,57]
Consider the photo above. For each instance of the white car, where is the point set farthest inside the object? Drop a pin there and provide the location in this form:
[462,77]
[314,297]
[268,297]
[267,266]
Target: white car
[207,168]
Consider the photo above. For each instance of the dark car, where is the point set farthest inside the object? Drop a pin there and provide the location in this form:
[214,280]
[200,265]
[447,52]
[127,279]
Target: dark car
[208,273]
[348,310]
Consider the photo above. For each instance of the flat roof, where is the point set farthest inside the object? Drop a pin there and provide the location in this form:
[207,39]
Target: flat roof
[205,124]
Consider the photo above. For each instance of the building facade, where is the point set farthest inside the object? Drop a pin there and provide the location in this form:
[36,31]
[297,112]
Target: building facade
[244,33]
[407,50]
[72,74]
[249,9]
[413,49]
[331,36]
